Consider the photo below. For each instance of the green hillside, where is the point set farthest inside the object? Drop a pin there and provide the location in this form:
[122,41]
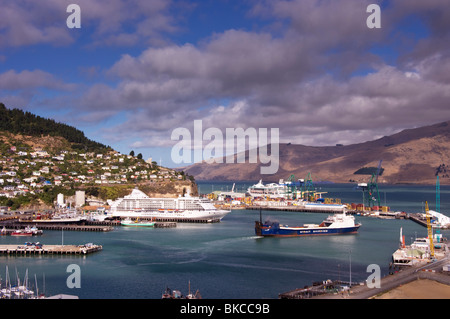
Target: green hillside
[25,123]
[40,158]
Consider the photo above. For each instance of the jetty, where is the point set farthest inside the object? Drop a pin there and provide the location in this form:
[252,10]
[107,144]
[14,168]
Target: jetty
[57,226]
[40,249]
[294,208]
[317,289]
[165,224]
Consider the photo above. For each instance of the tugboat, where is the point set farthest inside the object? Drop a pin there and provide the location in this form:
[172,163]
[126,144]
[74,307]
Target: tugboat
[333,225]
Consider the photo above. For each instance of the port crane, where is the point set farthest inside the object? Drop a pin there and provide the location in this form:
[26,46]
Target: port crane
[438,207]
[292,185]
[308,187]
[305,186]
[370,189]
[430,231]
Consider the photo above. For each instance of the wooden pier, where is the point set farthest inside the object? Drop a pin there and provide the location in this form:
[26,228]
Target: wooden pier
[416,218]
[317,289]
[56,226]
[34,249]
[298,209]
[165,224]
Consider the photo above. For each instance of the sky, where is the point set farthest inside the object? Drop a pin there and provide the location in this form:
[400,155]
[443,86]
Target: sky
[136,70]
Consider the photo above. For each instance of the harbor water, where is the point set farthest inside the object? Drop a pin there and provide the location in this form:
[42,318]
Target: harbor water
[226,260]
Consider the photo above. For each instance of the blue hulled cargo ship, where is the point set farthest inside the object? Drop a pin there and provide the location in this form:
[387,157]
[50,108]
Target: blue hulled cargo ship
[334,225]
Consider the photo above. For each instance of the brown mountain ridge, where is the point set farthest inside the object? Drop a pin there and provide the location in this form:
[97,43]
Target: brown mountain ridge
[412,156]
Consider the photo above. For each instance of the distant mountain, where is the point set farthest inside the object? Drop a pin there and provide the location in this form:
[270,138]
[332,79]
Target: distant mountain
[412,156]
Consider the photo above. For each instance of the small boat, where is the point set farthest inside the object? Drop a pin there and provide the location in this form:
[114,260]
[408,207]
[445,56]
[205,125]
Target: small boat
[172,294]
[190,295]
[28,231]
[22,232]
[176,294]
[137,223]
[34,230]
[333,225]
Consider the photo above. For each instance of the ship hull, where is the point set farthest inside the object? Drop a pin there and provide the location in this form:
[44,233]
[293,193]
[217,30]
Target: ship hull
[174,215]
[131,224]
[22,234]
[274,231]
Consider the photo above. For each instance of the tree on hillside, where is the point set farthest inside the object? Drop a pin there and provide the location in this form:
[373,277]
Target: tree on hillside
[19,122]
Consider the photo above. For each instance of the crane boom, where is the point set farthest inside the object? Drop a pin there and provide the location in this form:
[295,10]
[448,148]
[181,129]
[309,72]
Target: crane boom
[430,230]
[378,171]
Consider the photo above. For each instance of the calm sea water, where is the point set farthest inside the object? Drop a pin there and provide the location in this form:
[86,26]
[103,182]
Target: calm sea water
[226,260]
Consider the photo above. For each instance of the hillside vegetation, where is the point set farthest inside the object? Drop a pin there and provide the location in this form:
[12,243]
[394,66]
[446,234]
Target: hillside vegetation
[25,123]
[40,158]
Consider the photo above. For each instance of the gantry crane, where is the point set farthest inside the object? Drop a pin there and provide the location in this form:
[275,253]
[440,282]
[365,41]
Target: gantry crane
[430,231]
[438,208]
[308,188]
[372,195]
[292,185]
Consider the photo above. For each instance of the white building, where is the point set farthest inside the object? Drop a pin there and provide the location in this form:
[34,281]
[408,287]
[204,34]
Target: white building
[80,198]
[60,200]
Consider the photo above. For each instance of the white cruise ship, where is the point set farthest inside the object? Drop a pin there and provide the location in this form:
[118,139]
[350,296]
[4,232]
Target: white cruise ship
[138,204]
[271,190]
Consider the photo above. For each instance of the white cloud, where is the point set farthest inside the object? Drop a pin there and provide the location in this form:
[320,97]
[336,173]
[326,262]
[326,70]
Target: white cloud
[316,78]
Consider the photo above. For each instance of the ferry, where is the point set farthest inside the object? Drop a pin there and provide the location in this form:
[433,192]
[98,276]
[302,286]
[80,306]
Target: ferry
[139,205]
[333,225]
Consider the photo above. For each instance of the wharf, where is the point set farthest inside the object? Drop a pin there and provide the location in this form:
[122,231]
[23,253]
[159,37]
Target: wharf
[73,227]
[165,224]
[415,218]
[49,249]
[299,209]
[317,289]
[113,222]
